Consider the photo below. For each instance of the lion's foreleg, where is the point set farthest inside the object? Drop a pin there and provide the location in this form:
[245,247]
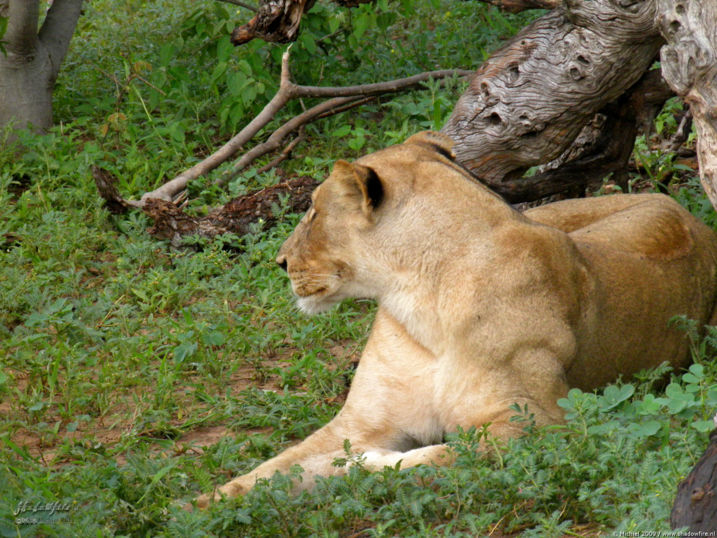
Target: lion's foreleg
[315,455]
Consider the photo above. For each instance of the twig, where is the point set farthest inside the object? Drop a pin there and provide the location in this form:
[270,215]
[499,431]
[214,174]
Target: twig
[344,108]
[284,153]
[176,185]
[342,96]
[516,6]
[274,141]
[148,83]
[242,4]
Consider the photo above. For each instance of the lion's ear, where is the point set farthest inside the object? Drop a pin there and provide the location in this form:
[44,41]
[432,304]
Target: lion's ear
[362,182]
[438,142]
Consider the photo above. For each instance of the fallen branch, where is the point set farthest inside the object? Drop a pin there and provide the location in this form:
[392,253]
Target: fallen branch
[343,96]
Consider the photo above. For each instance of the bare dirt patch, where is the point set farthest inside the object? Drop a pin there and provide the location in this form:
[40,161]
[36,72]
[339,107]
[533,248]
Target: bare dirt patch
[123,418]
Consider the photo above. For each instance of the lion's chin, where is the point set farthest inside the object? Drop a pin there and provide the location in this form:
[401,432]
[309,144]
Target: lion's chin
[314,305]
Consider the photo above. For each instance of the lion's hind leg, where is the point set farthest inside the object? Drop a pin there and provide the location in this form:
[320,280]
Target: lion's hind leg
[440,454]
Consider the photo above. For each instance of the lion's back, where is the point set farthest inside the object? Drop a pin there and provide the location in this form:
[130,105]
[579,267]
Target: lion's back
[657,228]
[650,262]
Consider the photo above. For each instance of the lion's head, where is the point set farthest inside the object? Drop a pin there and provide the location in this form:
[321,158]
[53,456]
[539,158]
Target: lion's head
[349,245]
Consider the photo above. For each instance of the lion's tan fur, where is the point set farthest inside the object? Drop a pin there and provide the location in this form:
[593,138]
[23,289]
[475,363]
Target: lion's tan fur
[481,306]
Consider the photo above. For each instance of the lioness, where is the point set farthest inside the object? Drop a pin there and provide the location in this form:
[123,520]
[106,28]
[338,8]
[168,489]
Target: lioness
[481,306]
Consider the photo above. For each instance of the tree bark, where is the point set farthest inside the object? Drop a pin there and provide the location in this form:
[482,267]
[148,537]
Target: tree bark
[695,504]
[29,70]
[528,102]
[689,65]
[603,147]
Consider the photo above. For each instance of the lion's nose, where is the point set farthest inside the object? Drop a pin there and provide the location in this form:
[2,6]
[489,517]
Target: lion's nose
[281,260]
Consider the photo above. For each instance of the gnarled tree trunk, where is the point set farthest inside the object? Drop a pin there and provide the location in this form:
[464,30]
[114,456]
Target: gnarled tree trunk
[529,101]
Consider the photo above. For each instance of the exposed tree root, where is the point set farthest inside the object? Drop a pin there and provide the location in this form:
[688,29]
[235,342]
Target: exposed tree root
[237,216]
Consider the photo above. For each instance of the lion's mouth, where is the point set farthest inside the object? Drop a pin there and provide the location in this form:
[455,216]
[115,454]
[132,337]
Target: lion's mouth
[315,293]
[316,299]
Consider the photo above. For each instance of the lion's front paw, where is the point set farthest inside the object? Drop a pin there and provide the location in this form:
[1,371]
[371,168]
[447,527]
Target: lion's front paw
[228,491]
[202,502]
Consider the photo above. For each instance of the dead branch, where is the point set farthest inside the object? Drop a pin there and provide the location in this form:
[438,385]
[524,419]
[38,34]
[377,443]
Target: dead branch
[242,4]
[285,153]
[529,101]
[276,21]
[106,185]
[343,96]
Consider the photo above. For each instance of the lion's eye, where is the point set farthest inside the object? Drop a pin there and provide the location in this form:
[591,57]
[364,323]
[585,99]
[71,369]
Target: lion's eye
[312,214]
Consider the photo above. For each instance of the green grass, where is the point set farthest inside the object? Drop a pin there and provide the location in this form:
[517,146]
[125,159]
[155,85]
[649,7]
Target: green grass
[133,374]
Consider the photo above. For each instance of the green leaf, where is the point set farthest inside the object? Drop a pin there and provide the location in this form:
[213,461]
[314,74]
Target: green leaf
[678,399]
[235,83]
[341,131]
[357,143]
[140,294]
[649,405]
[214,338]
[156,478]
[224,48]
[361,24]
[309,43]
[605,428]
[218,71]
[244,67]
[236,113]
[184,351]
[614,396]
[37,406]
[176,131]
[645,429]
[334,23]
[166,54]
[703,426]
[3,28]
